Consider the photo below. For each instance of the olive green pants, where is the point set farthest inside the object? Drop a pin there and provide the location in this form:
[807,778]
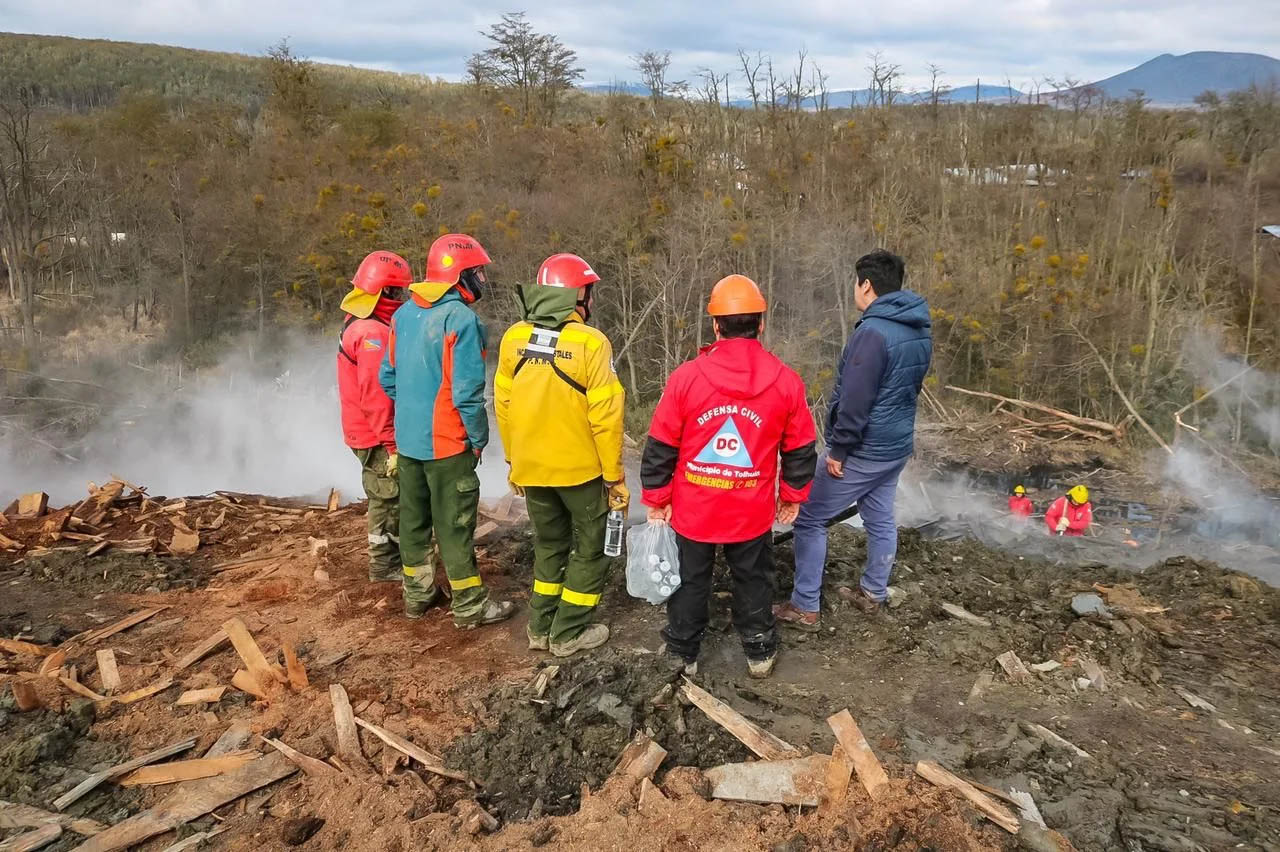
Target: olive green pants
[441,496]
[569,565]
[383,492]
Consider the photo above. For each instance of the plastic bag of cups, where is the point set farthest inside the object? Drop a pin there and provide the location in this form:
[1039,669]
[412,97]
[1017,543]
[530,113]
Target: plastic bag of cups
[653,562]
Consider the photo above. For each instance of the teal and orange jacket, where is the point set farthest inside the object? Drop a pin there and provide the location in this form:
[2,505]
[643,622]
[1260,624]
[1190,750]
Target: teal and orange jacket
[434,370]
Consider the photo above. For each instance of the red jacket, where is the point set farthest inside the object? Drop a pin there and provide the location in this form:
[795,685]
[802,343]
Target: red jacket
[1021,505]
[1078,517]
[368,414]
[715,440]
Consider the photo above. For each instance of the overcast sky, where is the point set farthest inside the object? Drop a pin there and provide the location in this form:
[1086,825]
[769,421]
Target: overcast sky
[1022,40]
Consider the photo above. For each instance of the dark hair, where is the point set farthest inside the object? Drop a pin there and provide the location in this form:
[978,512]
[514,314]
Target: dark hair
[739,325]
[884,269]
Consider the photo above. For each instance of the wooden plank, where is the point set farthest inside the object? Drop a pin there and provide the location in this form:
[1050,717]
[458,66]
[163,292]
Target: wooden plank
[139,694]
[640,759]
[308,764]
[485,529]
[254,660]
[108,671]
[963,614]
[839,771]
[428,760]
[232,739]
[25,697]
[187,770]
[194,840]
[80,689]
[796,781]
[14,815]
[204,649]
[991,809]
[246,682]
[78,792]
[124,624]
[184,542]
[1013,666]
[33,505]
[761,742]
[293,666]
[14,646]
[870,772]
[344,720]
[33,840]
[212,695]
[189,802]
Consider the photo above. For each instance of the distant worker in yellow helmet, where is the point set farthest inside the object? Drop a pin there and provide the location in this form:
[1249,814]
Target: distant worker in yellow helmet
[1020,504]
[1070,515]
[559,408]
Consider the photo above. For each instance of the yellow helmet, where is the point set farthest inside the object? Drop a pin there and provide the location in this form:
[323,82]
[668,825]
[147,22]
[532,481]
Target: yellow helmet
[1019,490]
[1079,495]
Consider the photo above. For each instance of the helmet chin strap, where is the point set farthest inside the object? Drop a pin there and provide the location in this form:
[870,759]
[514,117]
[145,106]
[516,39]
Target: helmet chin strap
[584,304]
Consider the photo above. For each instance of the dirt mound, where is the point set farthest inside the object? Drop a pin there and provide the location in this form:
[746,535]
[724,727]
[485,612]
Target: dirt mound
[113,572]
[543,750]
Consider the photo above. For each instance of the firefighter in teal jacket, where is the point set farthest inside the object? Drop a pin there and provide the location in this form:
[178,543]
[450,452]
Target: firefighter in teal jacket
[434,370]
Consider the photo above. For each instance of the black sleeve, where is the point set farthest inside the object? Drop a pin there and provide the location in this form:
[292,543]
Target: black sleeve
[657,464]
[859,386]
[798,465]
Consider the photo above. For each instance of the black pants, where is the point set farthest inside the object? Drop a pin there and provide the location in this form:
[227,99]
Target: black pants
[751,567]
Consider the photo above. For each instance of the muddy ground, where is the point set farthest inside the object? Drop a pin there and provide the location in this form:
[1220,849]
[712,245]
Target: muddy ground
[1161,774]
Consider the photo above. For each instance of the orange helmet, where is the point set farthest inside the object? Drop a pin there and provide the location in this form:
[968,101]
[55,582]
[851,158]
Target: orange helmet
[451,254]
[736,294]
[377,271]
[566,270]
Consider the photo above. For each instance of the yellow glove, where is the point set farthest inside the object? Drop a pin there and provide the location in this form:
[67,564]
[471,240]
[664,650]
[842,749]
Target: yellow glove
[619,496]
[393,465]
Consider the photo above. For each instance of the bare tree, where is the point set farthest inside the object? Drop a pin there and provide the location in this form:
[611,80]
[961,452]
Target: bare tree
[653,66]
[751,74]
[938,91]
[883,90]
[536,65]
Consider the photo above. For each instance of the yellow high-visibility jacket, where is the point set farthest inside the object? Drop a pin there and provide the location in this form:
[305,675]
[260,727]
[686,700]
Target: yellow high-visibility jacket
[559,405]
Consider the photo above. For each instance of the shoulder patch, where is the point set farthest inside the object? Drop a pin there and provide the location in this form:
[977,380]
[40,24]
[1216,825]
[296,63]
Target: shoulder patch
[372,344]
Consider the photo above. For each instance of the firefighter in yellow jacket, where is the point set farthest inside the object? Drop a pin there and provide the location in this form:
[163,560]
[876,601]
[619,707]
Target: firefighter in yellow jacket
[560,406]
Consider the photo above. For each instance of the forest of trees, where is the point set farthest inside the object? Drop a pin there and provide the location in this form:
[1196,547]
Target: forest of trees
[242,204]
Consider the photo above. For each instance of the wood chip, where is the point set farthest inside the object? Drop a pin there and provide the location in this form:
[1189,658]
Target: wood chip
[1195,700]
[981,685]
[293,666]
[14,646]
[795,781]
[139,694]
[204,649]
[310,765]
[1054,739]
[108,671]
[1093,671]
[991,809]
[254,660]
[344,720]
[25,697]
[761,742]
[1013,666]
[839,771]
[33,505]
[872,775]
[963,614]
[184,542]
[80,689]
[52,663]
[335,497]
[194,840]
[33,840]
[14,815]
[640,759]
[428,760]
[246,682]
[124,624]
[189,802]
[82,789]
[211,695]
[1027,807]
[187,770]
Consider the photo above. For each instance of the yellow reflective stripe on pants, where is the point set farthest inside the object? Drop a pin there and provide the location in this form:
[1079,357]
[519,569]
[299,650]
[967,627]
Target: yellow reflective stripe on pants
[603,392]
[551,590]
[412,570]
[569,596]
[465,583]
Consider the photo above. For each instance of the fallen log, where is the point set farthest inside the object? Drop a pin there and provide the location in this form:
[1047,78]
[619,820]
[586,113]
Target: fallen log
[1087,422]
[872,775]
[990,808]
[189,802]
[761,742]
[86,786]
[795,781]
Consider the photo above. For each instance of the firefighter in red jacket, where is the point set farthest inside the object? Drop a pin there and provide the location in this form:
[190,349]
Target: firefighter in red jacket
[1070,515]
[711,469]
[368,414]
[1020,504]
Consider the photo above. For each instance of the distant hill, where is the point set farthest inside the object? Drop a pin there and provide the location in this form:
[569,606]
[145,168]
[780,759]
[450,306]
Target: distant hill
[617,87]
[80,73]
[1170,80]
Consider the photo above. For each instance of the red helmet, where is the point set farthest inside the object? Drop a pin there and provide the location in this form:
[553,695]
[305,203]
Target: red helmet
[451,254]
[382,269]
[566,270]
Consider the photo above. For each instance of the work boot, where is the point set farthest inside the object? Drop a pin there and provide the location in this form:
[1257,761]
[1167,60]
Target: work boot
[537,641]
[414,610]
[797,618]
[391,575]
[760,669]
[593,637]
[492,612]
[688,668]
[859,598]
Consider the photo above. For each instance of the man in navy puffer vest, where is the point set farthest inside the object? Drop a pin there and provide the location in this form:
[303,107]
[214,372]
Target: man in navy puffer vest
[869,436]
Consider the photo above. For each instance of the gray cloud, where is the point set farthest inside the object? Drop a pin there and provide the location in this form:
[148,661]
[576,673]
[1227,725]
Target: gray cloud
[1021,39]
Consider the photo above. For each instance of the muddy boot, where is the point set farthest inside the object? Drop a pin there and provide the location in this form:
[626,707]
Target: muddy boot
[593,637]
[537,641]
[391,576]
[492,612]
[864,602]
[762,668]
[413,610]
[688,668]
[787,614]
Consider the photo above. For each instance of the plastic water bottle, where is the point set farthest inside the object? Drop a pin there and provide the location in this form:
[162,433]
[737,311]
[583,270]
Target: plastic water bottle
[613,534]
